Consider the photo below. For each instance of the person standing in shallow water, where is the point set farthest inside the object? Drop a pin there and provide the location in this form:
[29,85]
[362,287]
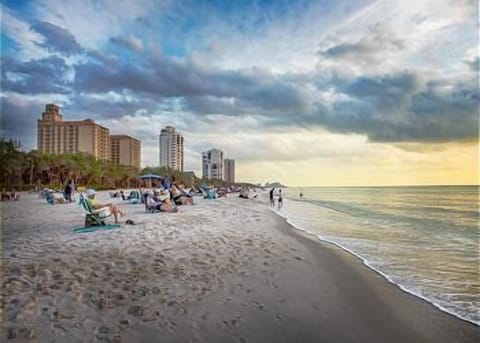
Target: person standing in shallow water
[272,200]
[280,200]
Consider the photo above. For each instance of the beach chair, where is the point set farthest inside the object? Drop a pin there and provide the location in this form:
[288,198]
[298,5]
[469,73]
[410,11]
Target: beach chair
[208,193]
[94,217]
[135,197]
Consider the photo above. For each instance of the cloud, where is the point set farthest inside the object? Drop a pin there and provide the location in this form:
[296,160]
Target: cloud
[27,40]
[130,42]
[46,75]
[376,46]
[18,118]
[57,38]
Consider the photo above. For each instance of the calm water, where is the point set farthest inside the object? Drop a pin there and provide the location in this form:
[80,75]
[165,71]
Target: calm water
[425,239]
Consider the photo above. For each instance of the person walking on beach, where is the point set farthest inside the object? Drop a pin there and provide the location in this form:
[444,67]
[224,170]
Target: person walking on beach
[272,200]
[280,200]
[68,191]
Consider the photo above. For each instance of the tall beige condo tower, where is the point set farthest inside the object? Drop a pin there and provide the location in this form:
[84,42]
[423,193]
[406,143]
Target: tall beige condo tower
[229,168]
[125,150]
[55,136]
[171,148]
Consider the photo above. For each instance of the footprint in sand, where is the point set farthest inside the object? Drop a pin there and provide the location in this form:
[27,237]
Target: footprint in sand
[135,310]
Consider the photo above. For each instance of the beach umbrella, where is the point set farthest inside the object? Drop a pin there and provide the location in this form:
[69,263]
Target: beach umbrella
[150,177]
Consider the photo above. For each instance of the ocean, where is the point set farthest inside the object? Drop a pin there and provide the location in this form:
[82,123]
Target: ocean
[423,239]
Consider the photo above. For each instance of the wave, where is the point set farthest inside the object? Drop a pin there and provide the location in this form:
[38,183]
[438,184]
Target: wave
[383,274]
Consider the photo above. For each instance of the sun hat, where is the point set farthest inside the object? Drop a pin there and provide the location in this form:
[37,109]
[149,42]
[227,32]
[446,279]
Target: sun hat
[91,192]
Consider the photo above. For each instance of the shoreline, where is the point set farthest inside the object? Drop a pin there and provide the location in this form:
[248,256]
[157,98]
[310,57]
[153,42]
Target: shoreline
[313,242]
[319,239]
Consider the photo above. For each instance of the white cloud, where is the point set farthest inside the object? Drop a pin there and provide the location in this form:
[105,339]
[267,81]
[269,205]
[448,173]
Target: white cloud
[94,22]
[26,39]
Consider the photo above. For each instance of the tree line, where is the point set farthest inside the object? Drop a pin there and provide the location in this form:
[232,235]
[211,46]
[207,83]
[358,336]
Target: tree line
[27,170]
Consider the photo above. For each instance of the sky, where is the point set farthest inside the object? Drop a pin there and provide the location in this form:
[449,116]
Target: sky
[307,93]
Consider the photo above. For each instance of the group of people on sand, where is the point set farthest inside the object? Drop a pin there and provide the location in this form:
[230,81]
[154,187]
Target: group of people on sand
[166,198]
[10,195]
[60,196]
[272,198]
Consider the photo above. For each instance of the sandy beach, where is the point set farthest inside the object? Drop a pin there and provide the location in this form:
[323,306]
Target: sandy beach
[228,270]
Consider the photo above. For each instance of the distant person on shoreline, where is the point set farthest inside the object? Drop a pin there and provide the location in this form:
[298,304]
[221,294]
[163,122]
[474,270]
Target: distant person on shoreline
[272,199]
[301,195]
[280,200]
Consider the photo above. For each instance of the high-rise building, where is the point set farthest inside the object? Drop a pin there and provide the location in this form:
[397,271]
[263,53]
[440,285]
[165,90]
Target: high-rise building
[55,136]
[125,150]
[229,166]
[212,164]
[171,148]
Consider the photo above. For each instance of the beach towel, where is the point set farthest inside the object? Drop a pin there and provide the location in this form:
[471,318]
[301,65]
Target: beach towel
[87,229]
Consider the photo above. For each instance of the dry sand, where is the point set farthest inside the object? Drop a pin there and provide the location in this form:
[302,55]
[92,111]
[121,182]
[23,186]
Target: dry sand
[228,270]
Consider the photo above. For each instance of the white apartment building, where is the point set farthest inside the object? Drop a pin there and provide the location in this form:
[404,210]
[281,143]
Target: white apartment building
[171,148]
[229,167]
[212,164]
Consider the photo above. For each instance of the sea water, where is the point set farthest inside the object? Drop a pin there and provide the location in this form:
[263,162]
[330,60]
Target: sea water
[424,239]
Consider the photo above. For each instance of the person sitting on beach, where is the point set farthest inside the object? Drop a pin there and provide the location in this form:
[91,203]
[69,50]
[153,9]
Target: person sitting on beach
[14,195]
[52,199]
[124,196]
[243,194]
[5,195]
[160,205]
[95,205]
[179,197]
[222,192]
[115,194]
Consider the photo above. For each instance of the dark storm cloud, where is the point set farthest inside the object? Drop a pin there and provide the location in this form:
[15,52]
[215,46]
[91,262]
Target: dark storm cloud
[169,78]
[82,106]
[394,108]
[18,120]
[37,76]
[57,38]
[389,108]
